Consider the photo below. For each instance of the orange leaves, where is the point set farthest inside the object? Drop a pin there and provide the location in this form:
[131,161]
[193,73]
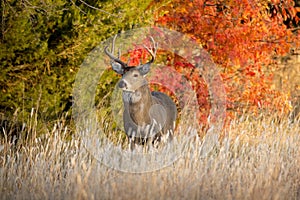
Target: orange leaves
[242,38]
[286,11]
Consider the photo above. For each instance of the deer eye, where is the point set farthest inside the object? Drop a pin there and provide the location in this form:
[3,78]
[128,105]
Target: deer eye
[135,75]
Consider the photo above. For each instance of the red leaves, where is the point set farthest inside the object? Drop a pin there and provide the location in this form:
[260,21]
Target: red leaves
[242,38]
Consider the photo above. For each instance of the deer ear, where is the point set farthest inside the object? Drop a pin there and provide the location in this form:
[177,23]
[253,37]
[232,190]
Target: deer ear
[144,69]
[117,67]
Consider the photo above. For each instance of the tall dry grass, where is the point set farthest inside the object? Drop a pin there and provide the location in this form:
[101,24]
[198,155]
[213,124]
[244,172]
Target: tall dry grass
[256,159]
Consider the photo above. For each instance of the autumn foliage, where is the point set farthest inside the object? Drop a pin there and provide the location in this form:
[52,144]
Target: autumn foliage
[243,37]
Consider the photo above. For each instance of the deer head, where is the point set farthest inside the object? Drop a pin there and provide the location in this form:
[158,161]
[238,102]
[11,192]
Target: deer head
[132,76]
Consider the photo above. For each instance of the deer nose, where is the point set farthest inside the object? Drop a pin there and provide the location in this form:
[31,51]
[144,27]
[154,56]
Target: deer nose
[122,84]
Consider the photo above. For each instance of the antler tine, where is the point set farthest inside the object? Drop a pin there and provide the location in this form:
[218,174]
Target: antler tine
[111,56]
[113,45]
[152,52]
[155,45]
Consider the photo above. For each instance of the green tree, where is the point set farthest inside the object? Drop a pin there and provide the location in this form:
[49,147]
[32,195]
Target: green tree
[43,43]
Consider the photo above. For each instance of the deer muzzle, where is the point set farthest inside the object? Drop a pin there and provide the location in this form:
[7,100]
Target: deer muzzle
[125,86]
[122,84]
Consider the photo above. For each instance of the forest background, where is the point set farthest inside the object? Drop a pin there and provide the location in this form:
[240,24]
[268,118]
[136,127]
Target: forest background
[43,44]
[255,44]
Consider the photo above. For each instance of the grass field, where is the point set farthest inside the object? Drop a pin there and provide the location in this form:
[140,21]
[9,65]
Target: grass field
[257,159]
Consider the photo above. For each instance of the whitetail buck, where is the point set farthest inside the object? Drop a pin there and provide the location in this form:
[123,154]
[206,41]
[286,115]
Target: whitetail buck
[148,116]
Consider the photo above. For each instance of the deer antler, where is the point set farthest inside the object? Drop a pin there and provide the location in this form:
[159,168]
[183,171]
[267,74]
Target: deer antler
[112,57]
[152,52]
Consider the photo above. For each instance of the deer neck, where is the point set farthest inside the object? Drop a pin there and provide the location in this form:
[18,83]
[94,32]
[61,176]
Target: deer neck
[139,105]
